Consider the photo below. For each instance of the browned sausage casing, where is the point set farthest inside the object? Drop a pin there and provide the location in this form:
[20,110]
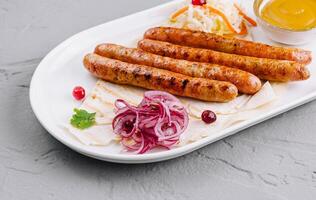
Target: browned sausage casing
[158,79]
[268,69]
[227,44]
[245,82]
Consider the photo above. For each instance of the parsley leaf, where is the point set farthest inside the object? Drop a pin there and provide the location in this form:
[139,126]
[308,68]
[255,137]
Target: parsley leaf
[82,119]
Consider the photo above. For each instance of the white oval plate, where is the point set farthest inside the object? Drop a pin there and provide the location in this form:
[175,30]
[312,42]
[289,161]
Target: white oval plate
[62,69]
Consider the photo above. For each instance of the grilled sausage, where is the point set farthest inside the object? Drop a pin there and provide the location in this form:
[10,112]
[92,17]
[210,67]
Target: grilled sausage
[245,82]
[152,78]
[227,44]
[268,69]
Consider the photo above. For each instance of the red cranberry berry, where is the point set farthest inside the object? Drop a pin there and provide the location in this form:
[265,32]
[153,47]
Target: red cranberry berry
[78,93]
[198,2]
[208,116]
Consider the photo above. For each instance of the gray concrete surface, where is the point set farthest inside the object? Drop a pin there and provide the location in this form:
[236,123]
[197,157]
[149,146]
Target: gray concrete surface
[273,160]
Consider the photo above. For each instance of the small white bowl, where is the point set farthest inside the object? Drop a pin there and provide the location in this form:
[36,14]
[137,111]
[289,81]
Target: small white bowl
[282,35]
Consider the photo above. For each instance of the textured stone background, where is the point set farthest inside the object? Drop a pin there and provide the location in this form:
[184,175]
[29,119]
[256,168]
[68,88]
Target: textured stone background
[273,160]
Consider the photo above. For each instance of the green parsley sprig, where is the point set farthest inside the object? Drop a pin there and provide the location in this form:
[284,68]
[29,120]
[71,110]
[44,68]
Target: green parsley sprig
[82,119]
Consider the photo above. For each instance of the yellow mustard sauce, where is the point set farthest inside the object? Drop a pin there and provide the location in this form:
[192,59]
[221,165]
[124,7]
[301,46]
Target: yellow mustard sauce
[290,14]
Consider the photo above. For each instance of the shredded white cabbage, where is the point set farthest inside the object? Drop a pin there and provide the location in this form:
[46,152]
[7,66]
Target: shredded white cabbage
[202,19]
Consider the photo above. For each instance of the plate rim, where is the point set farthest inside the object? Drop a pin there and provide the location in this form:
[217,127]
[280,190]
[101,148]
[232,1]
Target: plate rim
[151,157]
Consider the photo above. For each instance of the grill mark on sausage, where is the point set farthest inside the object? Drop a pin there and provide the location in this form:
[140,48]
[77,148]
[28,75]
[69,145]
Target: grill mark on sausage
[185,55]
[184,83]
[224,88]
[147,76]
[159,80]
[136,72]
[172,81]
[210,87]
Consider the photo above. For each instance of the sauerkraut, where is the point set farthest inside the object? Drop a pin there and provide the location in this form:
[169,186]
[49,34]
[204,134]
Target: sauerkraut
[216,16]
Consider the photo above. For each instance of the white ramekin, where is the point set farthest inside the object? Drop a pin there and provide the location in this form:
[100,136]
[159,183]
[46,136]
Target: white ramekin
[282,35]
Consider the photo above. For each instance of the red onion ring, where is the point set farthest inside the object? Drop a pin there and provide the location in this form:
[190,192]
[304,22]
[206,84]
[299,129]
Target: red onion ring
[159,120]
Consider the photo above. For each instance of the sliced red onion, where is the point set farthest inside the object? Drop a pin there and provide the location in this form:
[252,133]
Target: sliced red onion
[159,120]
